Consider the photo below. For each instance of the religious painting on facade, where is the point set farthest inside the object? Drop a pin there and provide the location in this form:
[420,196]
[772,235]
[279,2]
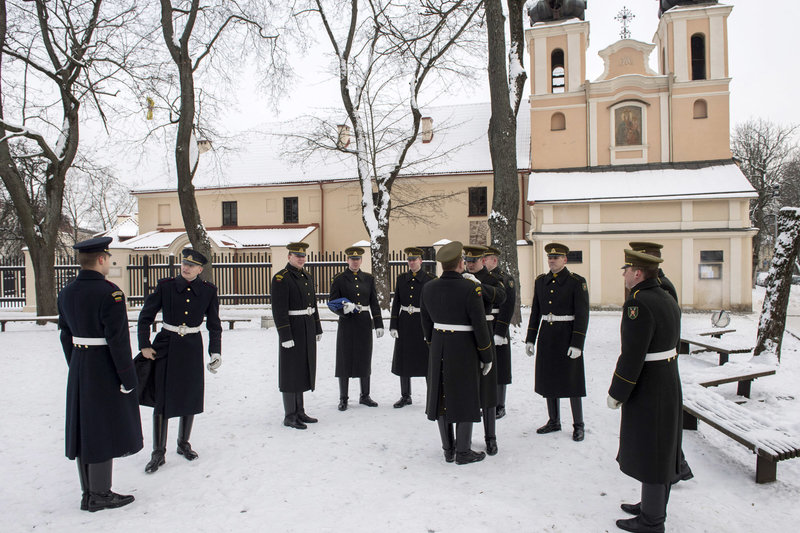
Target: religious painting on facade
[628,125]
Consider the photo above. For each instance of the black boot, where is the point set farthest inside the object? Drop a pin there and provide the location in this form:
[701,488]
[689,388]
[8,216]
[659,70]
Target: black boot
[489,430]
[653,510]
[100,495]
[365,399]
[184,431]
[501,402]
[448,440]
[301,411]
[685,473]
[405,393]
[83,475]
[290,418]
[464,453]
[159,444]
[577,419]
[632,508]
[554,423]
[343,392]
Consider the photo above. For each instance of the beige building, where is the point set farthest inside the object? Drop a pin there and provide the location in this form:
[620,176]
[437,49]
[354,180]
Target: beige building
[640,155]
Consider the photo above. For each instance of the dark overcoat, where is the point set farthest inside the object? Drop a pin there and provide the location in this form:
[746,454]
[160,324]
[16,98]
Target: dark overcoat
[293,290]
[502,318]
[354,335]
[410,349]
[564,294]
[494,294]
[667,285]
[455,356]
[179,365]
[101,422]
[650,392]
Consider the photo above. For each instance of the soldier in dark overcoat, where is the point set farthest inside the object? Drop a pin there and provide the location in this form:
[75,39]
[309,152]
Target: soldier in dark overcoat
[354,334]
[494,294]
[502,318]
[294,310]
[654,249]
[559,318]
[647,384]
[102,416]
[410,357]
[454,324]
[177,351]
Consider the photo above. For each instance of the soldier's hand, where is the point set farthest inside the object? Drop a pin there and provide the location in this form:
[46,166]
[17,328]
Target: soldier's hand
[348,307]
[499,340]
[612,402]
[573,352]
[123,390]
[215,363]
[319,337]
[149,353]
[394,333]
[530,349]
[288,344]
[486,367]
[379,333]
[471,277]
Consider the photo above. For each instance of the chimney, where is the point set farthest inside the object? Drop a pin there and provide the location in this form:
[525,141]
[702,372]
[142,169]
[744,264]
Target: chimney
[344,136]
[427,129]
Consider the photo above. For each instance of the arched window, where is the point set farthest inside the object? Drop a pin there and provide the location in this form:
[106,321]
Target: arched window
[700,109]
[558,122]
[557,70]
[698,56]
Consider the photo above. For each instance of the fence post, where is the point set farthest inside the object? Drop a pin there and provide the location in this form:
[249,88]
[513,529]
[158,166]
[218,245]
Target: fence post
[145,275]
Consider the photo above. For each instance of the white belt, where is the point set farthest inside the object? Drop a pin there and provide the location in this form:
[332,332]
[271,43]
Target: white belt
[90,341]
[495,310]
[452,327]
[301,312]
[182,329]
[557,318]
[660,356]
[410,309]
[489,318]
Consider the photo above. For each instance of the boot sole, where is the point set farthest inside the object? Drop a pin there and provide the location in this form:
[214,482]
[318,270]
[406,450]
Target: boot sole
[188,457]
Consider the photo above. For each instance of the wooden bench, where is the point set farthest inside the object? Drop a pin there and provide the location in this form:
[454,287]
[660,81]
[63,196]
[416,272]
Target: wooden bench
[770,444]
[743,375]
[26,319]
[717,333]
[724,349]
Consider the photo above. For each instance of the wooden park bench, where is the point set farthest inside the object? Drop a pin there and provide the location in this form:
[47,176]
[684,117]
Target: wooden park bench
[723,348]
[717,333]
[26,319]
[770,444]
[743,374]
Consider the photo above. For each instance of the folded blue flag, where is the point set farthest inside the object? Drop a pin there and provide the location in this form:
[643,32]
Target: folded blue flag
[337,304]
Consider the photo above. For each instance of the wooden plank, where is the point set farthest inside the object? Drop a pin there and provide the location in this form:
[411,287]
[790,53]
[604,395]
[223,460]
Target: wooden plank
[749,376]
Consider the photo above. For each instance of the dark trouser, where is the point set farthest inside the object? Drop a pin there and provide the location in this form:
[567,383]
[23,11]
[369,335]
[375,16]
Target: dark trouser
[489,418]
[554,410]
[463,437]
[344,385]
[405,386]
[654,504]
[446,432]
[501,395]
[95,477]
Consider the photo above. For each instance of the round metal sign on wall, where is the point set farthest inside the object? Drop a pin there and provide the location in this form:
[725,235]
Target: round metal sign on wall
[720,319]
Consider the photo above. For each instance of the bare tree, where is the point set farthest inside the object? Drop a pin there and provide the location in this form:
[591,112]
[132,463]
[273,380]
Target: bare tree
[764,151]
[200,36]
[772,322]
[56,56]
[506,84]
[386,52]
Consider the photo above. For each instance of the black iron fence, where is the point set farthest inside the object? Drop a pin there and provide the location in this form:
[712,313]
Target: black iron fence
[13,284]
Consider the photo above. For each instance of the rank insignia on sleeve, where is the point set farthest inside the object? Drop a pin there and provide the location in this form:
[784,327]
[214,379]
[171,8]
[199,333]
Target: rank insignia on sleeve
[584,287]
[118,296]
[478,289]
[633,312]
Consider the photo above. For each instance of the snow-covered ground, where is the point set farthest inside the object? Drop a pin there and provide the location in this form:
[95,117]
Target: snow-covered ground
[380,469]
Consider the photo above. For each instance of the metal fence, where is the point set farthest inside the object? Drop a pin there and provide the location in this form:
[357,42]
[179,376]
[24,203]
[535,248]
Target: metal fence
[13,284]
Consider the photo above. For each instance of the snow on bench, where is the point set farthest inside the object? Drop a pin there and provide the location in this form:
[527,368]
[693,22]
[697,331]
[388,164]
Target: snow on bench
[723,348]
[770,444]
[743,373]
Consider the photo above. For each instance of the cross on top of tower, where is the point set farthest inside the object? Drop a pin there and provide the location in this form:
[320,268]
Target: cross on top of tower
[624,17]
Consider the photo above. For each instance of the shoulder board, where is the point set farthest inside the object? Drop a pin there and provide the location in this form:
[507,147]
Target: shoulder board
[162,280]
[576,276]
[541,275]
[114,285]
[279,275]
[208,283]
[336,275]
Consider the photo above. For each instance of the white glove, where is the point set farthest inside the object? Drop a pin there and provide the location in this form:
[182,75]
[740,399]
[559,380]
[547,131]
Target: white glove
[612,402]
[573,352]
[319,337]
[486,368]
[379,333]
[288,344]
[348,307]
[215,363]
[499,341]
[123,390]
[394,333]
[530,349]
[471,277]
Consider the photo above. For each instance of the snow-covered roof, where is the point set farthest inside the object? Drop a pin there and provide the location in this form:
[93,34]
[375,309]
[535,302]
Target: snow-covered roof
[125,228]
[721,179]
[227,238]
[460,145]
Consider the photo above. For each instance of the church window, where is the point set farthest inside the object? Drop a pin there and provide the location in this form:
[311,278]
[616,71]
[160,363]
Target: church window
[230,215]
[700,109]
[558,122]
[558,78]
[698,56]
[291,211]
[477,201]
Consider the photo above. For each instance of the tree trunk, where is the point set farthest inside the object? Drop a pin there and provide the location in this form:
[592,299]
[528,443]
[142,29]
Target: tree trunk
[43,260]
[380,269]
[772,323]
[503,148]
